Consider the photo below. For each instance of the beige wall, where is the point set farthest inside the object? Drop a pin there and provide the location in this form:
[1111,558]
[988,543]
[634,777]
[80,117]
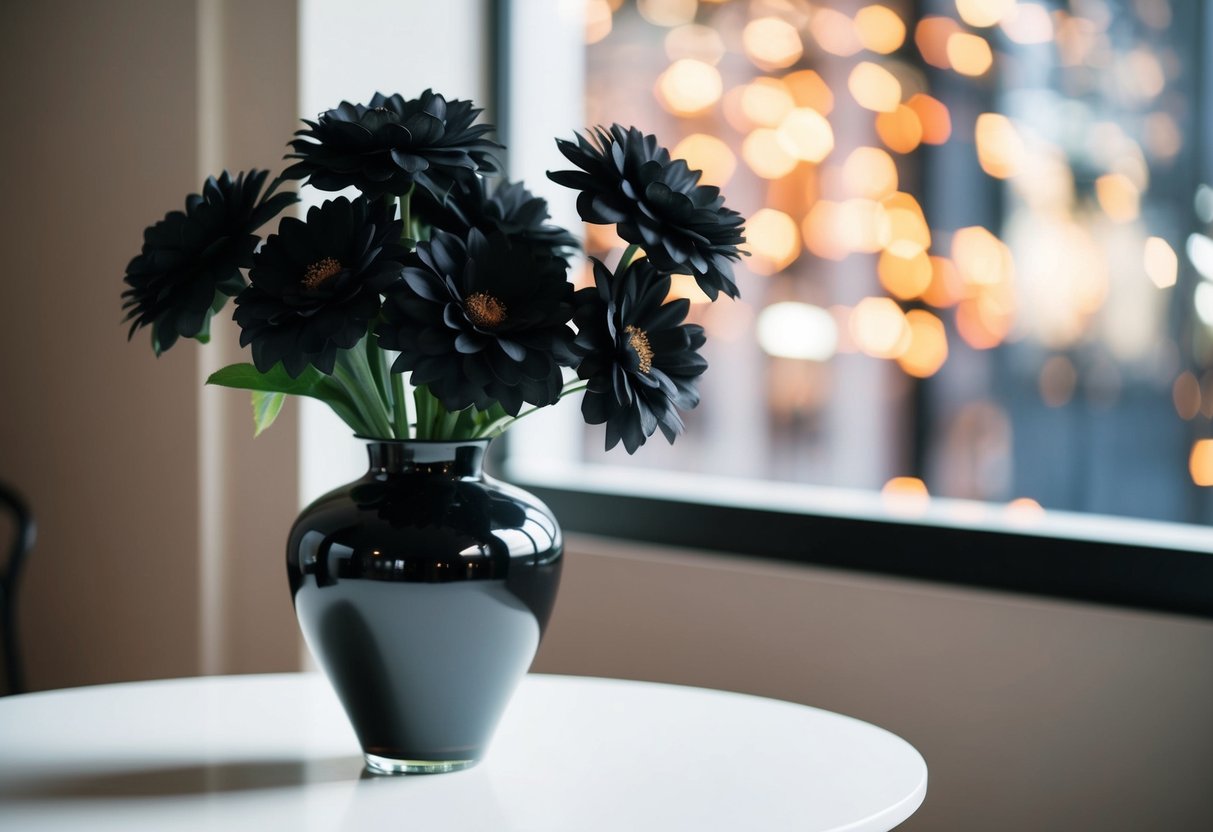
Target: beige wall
[116,112]
[1031,714]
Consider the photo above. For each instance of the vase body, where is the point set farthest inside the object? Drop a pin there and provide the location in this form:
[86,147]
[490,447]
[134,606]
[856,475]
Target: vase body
[423,590]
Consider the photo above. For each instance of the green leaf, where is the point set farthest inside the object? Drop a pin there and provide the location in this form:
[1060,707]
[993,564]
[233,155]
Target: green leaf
[265,409]
[311,383]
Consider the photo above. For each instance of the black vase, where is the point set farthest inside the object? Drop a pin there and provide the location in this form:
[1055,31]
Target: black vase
[423,590]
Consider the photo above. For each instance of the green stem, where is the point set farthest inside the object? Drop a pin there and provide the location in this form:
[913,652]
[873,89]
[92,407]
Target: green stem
[500,426]
[626,259]
[400,410]
[354,372]
[406,214]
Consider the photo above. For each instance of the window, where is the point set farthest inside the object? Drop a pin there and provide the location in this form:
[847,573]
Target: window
[978,248]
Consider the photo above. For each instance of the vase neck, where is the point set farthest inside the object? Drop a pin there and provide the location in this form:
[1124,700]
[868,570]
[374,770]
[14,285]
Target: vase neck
[463,459]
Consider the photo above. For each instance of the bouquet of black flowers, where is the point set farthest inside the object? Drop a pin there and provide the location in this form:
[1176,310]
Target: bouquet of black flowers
[432,274]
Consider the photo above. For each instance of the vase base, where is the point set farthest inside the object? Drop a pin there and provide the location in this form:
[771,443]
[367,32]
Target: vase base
[386,765]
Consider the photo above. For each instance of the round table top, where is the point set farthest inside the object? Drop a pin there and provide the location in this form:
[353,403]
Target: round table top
[275,752]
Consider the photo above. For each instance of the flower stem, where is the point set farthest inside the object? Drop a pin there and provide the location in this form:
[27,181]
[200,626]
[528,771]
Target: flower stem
[400,411]
[406,213]
[500,426]
[626,259]
[354,372]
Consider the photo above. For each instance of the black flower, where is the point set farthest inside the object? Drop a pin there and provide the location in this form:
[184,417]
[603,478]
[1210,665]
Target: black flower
[387,146]
[315,285]
[636,353]
[511,209]
[480,321]
[191,260]
[628,179]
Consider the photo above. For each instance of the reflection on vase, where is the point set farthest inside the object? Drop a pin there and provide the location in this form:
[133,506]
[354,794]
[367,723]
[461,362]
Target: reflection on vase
[423,590]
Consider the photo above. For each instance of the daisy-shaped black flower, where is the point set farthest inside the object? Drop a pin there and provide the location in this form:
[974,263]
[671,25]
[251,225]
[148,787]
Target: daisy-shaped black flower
[191,261]
[640,360]
[628,179]
[388,145]
[481,321]
[315,286]
[510,209]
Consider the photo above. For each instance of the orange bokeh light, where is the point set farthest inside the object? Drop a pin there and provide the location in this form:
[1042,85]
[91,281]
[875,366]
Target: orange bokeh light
[931,37]
[689,87]
[879,328]
[928,348]
[869,172]
[806,134]
[880,29]
[984,13]
[772,43]
[773,240]
[1200,462]
[1118,197]
[809,90]
[900,130]
[766,155]
[969,54]
[904,277]
[766,102]
[946,288]
[834,32]
[708,154]
[1000,150]
[874,87]
[934,119]
[597,20]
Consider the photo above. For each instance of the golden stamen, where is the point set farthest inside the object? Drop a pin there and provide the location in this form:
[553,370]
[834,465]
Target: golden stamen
[638,340]
[320,272]
[484,310]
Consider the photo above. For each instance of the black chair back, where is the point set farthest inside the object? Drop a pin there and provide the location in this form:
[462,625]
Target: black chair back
[24,534]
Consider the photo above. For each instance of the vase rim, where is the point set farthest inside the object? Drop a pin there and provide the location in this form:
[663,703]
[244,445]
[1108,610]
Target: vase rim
[483,440]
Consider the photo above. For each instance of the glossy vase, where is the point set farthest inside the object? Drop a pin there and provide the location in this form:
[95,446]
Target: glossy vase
[423,590]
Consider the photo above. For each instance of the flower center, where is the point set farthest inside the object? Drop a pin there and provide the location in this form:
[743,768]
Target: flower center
[484,310]
[639,342]
[320,272]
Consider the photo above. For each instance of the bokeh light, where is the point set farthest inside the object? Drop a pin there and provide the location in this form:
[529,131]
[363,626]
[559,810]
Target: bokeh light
[808,89]
[766,102]
[931,36]
[984,13]
[934,120]
[598,17]
[1161,262]
[772,43]
[928,348]
[969,54]
[806,134]
[790,329]
[708,154]
[900,130]
[834,32]
[880,29]
[874,87]
[904,277]
[1200,462]
[667,12]
[773,239]
[1000,150]
[766,154]
[689,87]
[869,172]
[879,328]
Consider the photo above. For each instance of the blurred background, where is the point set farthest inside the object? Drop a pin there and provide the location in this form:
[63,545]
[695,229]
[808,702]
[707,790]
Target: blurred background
[980,269]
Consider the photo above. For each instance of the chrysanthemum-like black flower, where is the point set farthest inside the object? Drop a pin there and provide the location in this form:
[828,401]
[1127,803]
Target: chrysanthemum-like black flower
[480,321]
[315,285]
[511,209]
[191,260]
[627,178]
[640,359]
[387,146]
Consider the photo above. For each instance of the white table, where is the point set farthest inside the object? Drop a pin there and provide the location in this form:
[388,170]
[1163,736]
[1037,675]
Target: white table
[572,754]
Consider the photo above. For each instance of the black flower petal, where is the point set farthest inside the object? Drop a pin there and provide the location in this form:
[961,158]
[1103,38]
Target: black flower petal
[481,321]
[511,209]
[388,145]
[315,285]
[640,360]
[191,260]
[628,179]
